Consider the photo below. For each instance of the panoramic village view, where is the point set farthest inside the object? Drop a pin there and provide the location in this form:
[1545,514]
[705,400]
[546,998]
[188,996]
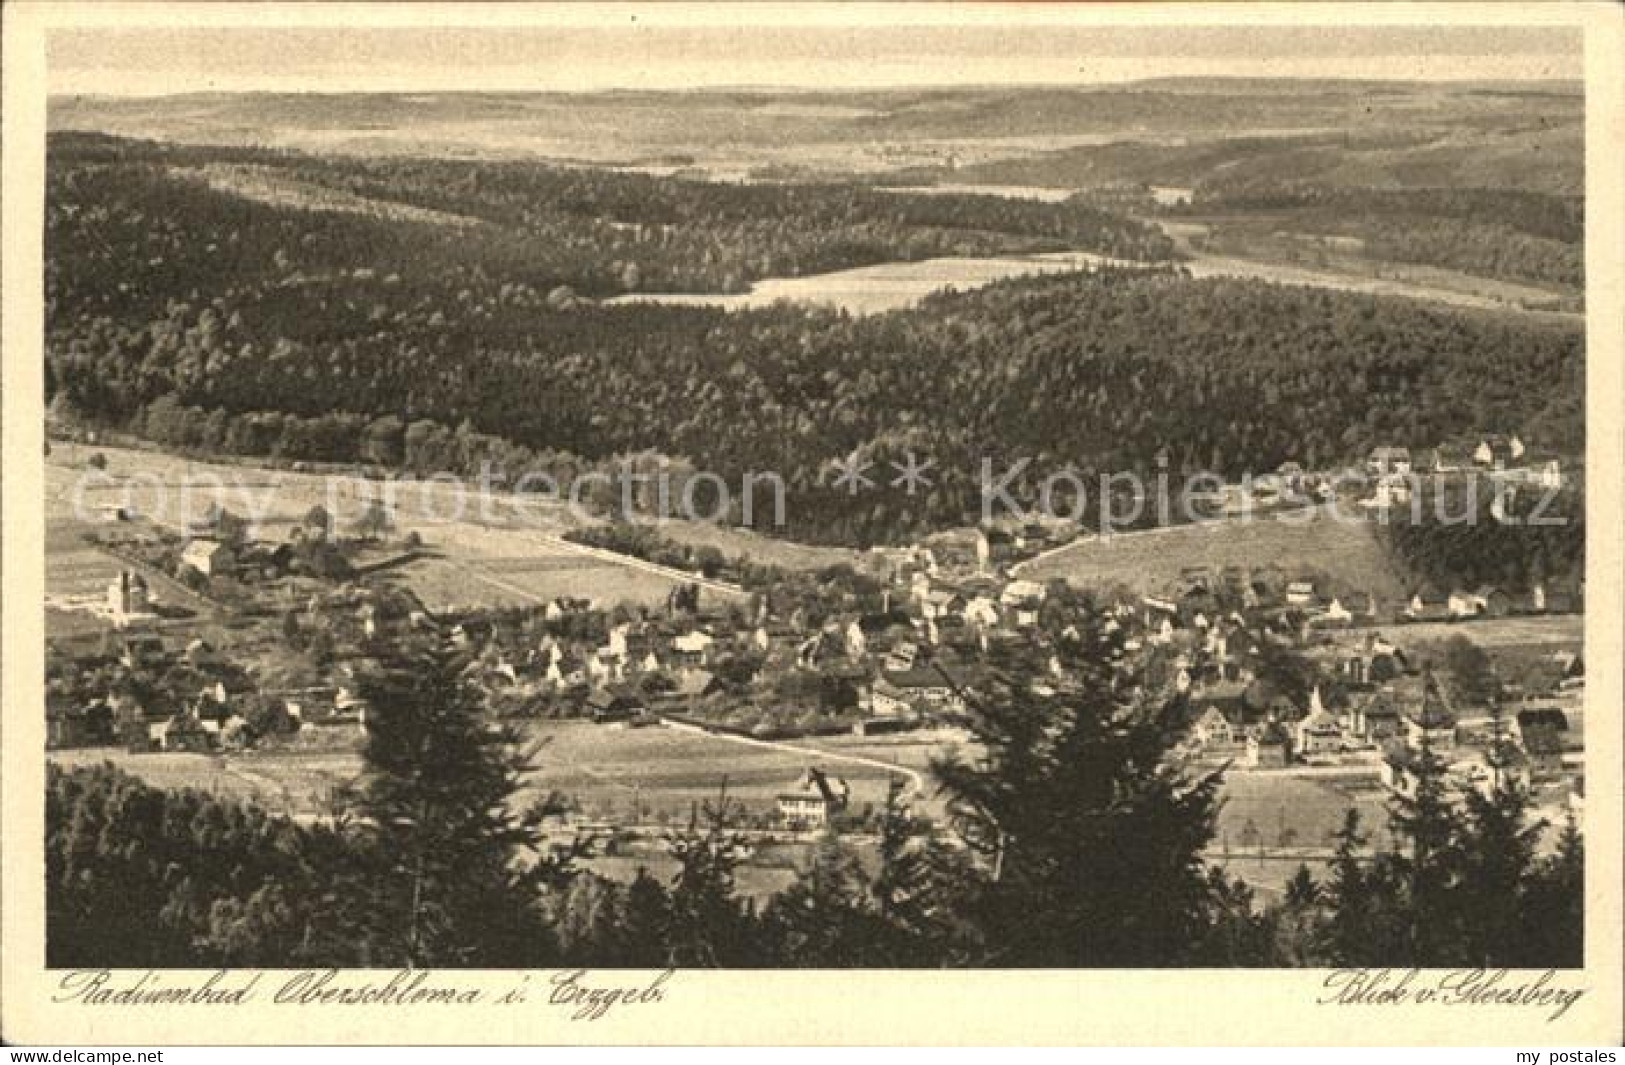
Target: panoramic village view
[1102,525]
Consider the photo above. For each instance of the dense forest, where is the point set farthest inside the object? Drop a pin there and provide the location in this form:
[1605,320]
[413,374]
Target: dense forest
[208,321]
[1470,535]
[285,219]
[1510,234]
[1074,814]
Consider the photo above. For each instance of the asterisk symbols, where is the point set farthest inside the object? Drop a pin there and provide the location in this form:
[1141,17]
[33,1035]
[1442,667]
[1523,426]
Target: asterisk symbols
[911,473]
[850,473]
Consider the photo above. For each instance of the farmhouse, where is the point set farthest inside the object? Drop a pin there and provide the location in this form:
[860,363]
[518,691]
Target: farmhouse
[1213,729]
[1301,593]
[888,700]
[1319,732]
[1426,606]
[183,731]
[1022,591]
[925,688]
[1461,605]
[1496,452]
[209,557]
[692,648]
[814,801]
[606,706]
[941,603]
[1335,615]
[982,611]
[1378,718]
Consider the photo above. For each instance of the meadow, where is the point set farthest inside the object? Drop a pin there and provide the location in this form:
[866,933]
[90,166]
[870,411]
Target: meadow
[490,551]
[1345,552]
[877,289]
[667,771]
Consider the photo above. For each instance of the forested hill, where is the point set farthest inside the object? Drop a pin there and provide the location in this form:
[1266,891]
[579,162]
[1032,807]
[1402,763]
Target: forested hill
[273,217]
[206,320]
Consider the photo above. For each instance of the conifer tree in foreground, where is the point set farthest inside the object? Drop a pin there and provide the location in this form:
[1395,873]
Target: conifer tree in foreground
[708,925]
[1426,863]
[458,881]
[1088,843]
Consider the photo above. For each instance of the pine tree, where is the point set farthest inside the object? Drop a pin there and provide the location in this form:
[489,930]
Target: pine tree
[826,918]
[646,923]
[1299,920]
[916,880]
[1073,812]
[451,886]
[1497,858]
[1554,911]
[709,925]
[1348,938]
[1426,862]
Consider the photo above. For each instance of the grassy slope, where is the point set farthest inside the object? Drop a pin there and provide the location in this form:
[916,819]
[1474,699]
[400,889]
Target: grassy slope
[1348,554]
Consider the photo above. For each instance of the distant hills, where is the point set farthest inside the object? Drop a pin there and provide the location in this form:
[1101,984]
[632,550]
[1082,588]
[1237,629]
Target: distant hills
[1393,134]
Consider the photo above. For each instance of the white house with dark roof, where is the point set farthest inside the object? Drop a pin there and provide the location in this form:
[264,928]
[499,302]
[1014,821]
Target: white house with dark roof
[209,557]
[813,801]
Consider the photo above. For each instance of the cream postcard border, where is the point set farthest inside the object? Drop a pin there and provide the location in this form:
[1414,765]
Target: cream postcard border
[807,1007]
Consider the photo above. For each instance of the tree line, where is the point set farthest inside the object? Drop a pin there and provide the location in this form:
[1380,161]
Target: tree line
[169,216]
[1088,374]
[1512,234]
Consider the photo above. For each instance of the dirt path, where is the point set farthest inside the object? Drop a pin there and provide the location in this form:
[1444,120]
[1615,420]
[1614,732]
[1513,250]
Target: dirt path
[1207,264]
[916,782]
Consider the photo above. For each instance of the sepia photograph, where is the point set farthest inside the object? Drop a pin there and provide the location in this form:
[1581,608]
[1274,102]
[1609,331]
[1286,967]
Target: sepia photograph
[618,491]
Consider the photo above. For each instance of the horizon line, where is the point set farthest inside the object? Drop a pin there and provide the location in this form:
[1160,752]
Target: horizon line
[808,89]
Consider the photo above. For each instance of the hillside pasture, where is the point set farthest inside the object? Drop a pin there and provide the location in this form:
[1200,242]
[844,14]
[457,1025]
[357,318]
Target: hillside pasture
[1346,553]
[1552,633]
[453,581]
[481,551]
[267,185]
[765,550]
[669,771]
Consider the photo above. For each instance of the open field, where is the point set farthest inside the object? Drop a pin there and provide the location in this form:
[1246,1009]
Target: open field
[877,289]
[1161,131]
[605,768]
[76,579]
[667,770]
[1376,278]
[1279,810]
[264,184]
[733,541]
[284,784]
[1554,632]
[1347,553]
[452,581]
[491,550]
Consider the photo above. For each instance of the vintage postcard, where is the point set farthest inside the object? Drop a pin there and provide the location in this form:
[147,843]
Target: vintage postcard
[812,523]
